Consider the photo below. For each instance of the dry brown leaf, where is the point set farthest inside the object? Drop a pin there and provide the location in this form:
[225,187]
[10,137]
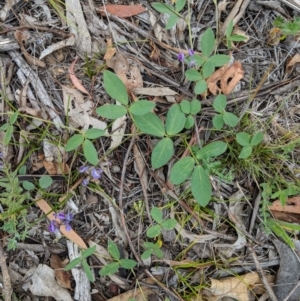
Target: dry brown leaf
[31,60]
[140,167]
[140,294]
[292,205]
[129,74]
[234,287]
[122,11]
[158,91]
[62,168]
[155,52]
[63,278]
[225,79]
[50,167]
[72,235]
[293,62]
[111,51]
[75,80]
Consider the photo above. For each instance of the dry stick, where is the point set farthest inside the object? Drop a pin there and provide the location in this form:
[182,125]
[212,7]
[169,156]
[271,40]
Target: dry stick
[262,275]
[121,201]
[292,291]
[7,290]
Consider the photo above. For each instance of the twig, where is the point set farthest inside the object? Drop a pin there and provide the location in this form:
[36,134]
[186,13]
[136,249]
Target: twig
[262,275]
[7,290]
[121,200]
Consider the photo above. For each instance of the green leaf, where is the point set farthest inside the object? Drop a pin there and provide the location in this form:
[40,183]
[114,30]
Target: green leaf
[185,106]
[195,106]
[229,29]
[141,107]
[189,122]
[88,252]
[207,42]
[88,271]
[8,134]
[200,87]
[73,264]
[230,119]
[201,187]
[243,139]
[22,170]
[158,253]
[219,60]
[182,170]
[179,5]
[111,111]
[4,127]
[175,120]
[157,215]
[113,250]
[219,103]
[172,20]
[149,245]
[74,142]
[154,231]
[218,121]
[245,153]
[162,153]
[257,139]
[199,59]
[169,224]
[208,69]
[13,118]
[193,75]
[90,152]
[150,124]
[128,263]
[146,254]
[162,8]
[45,182]
[109,269]
[213,149]
[94,133]
[28,185]
[237,38]
[114,87]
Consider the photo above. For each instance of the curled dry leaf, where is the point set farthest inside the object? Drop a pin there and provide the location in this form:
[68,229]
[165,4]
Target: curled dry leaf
[63,278]
[293,62]
[31,60]
[122,11]
[111,51]
[42,283]
[75,80]
[118,130]
[129,74]
[225,79]
[234,287]
[158,91]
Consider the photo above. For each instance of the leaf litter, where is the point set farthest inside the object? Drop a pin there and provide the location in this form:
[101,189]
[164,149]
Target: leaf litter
[57,95]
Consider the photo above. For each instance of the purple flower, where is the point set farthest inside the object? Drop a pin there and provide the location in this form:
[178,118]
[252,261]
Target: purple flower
[180,57]
[60,215]
[1,155]
[85,182]
[83,169]
[69,217]
[192,63]
[54,225]
[191,52]
[68,227]
[96,173]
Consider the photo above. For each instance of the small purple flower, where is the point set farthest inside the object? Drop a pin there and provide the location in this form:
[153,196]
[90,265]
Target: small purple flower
[69,217]
[54,225]
[180,57]
[191,52]
[96,173]
[192,63]
[68,227]
[1,155]
[83,169]
[85,182]
[60,215]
